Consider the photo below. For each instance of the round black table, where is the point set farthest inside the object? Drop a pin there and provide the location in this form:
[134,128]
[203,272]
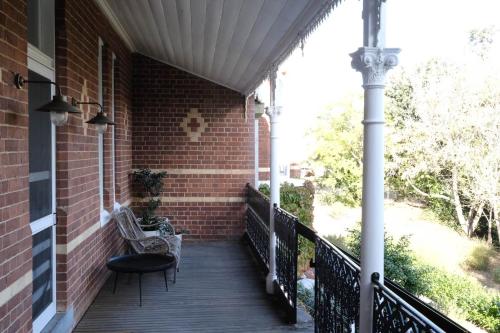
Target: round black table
[140,264]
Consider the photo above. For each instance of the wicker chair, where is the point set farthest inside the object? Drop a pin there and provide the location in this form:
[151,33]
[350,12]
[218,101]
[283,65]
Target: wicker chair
[131,230]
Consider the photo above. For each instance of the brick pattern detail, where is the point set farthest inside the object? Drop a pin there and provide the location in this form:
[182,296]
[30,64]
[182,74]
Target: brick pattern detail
[264,147]
[15,233]
[163,97]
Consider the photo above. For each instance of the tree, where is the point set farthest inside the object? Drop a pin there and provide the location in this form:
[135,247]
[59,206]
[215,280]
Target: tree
[338,150]
[447,124]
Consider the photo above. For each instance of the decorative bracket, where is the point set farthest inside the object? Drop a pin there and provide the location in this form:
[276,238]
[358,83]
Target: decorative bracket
[373,63]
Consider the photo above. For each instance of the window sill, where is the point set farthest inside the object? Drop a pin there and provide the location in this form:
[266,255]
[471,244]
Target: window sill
[105,217]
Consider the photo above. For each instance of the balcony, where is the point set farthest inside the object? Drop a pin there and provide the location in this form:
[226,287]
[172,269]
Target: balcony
[221,288]
[218,289]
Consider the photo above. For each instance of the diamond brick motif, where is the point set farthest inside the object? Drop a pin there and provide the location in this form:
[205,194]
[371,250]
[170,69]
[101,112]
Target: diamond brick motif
[194,125]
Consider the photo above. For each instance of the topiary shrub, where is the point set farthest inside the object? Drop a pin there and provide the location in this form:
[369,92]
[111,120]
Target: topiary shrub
[149,185]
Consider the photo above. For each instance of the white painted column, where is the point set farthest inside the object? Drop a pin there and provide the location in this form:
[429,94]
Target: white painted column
[256,152]
[273,113]
[373,61]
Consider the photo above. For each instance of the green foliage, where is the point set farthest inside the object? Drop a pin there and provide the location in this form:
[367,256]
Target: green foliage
[306,297]
[298,201]
[463,296]
[450,293]
[400,262]
[444,210]
[149,185]
[338,151]
[496,274]
[338,241]
[479,258]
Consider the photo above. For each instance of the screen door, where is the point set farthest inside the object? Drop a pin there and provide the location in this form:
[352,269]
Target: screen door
[42,217]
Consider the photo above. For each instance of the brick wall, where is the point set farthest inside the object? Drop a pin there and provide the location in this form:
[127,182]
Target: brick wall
[264,148]
[15,233]
[83,245]
[206,175]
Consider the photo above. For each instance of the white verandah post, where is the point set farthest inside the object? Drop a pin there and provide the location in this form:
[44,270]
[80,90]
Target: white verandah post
[273,113]
[373,61]
[256,153]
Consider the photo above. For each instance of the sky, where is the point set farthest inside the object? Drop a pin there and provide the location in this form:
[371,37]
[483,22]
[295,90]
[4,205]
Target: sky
[322,74]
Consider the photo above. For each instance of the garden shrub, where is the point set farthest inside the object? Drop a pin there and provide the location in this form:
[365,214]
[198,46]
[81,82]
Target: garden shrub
[450,293]
[306,297]
[400,263]
[496,274]
[338,241]
[479,258]
[298,201]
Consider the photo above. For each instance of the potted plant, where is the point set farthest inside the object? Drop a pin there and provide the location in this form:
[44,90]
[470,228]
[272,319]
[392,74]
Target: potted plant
[150,185]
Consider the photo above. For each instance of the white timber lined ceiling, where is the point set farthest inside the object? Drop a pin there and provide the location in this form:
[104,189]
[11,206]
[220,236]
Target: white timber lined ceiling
[231,42]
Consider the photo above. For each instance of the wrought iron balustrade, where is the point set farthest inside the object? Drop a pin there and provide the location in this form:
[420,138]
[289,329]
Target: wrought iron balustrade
[257,224]
[392,314]
[337,279]
[336,291]
[286,260]
[259,203]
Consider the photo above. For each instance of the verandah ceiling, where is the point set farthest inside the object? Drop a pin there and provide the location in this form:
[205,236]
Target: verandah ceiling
[231,42]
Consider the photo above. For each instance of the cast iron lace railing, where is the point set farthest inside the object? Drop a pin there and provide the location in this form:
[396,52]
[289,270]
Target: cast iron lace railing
[336,299]
[393,314]
[257,225]
[259,203]
[286,259]
[337,275]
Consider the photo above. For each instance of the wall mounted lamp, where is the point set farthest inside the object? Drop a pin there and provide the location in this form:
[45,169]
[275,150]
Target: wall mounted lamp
[59,108]
[101,121]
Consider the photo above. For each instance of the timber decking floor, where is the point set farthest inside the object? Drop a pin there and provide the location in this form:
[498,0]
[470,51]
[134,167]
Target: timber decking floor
[218,289]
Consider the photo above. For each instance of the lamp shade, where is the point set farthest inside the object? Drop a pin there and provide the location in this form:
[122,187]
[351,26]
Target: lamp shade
[59,109]
[101,122]
[58,104]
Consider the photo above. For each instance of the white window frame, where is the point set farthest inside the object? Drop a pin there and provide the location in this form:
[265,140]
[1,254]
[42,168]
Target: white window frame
[113,152]
[104,214]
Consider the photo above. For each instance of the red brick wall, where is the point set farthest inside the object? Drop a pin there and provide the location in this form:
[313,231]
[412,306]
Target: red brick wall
[15,233]
[264,148]
[81,267]
[205,178]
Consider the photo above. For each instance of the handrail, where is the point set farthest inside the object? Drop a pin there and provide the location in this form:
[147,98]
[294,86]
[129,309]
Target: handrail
[417,304]
[402,306]
[311,235]
[259,202]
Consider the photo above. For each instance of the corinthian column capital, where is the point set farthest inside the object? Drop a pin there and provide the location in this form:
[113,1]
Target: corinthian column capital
[373,63]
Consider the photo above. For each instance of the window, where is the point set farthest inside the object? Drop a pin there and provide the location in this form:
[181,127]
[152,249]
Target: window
[105,216]
[41,28]
[112,115]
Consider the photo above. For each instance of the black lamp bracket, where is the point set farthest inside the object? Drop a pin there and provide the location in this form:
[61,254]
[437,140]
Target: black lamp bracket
[74,102]
[19,81]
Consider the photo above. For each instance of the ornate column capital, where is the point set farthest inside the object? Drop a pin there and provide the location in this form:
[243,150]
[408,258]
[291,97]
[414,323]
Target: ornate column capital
[373,63]
[273,111]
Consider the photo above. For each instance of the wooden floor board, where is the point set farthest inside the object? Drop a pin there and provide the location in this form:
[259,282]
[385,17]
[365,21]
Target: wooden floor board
[218,289]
